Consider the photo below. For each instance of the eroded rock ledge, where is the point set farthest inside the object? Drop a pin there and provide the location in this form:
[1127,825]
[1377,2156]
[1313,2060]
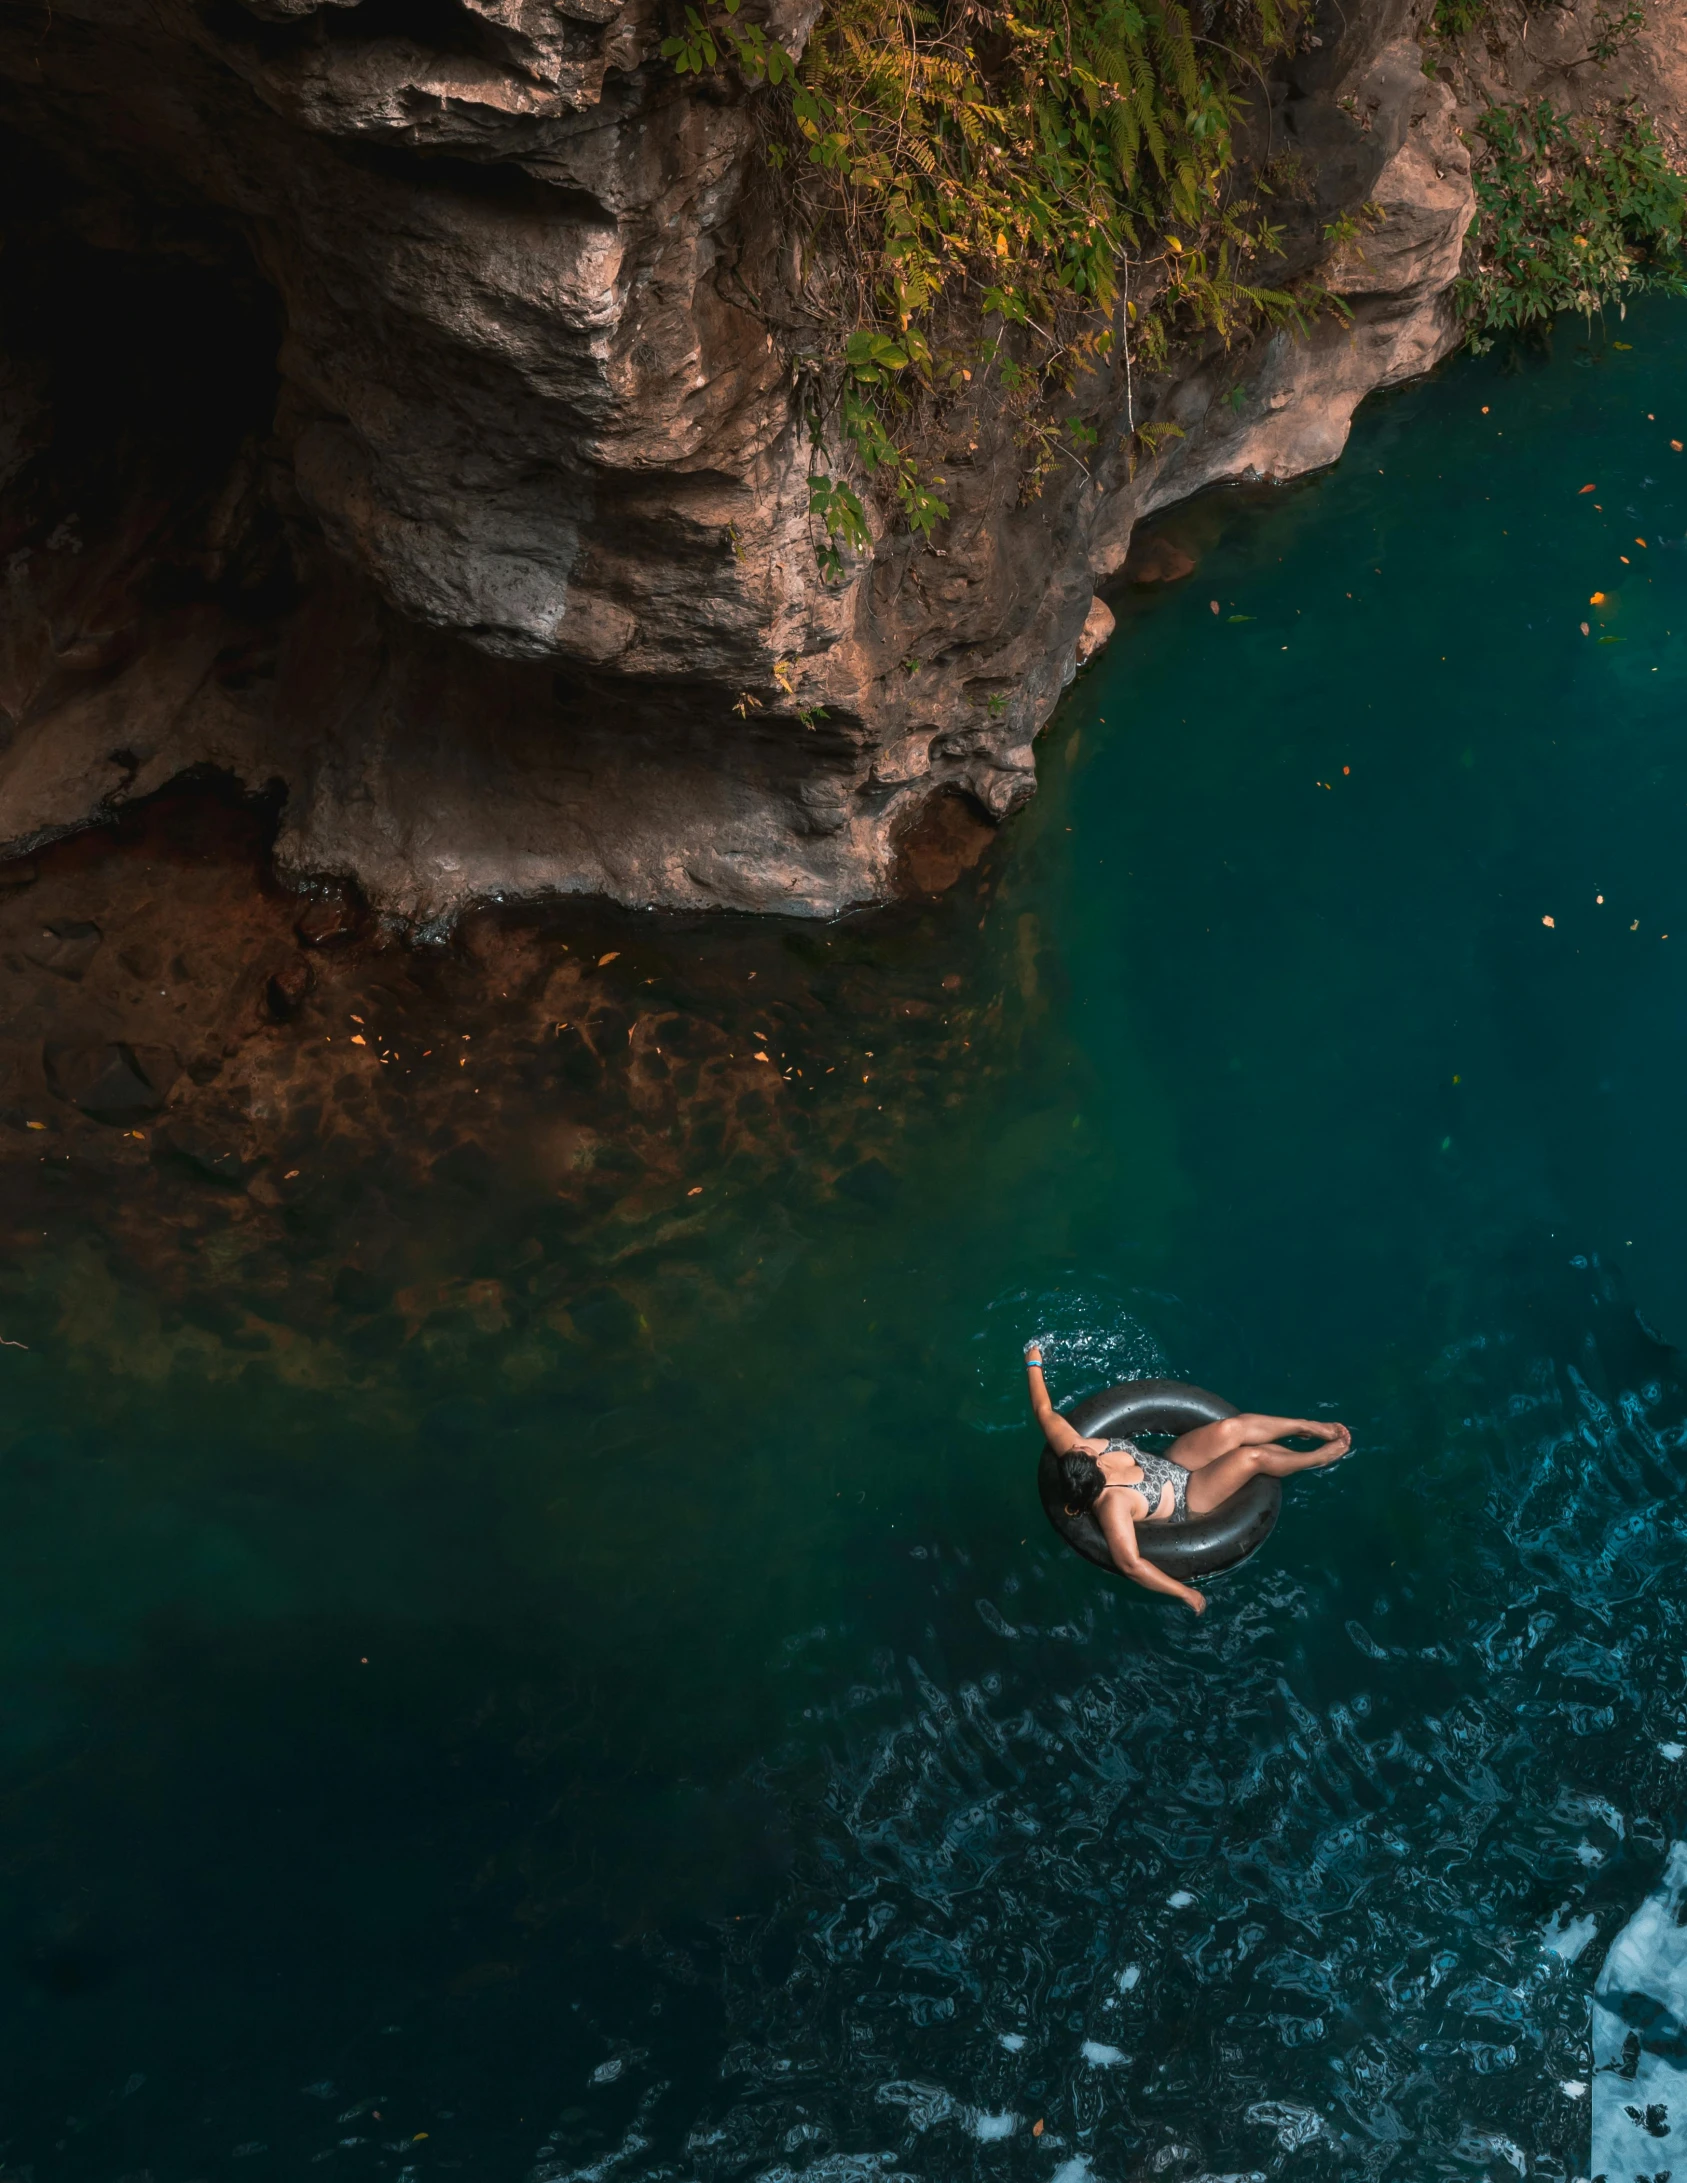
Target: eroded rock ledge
[390,413]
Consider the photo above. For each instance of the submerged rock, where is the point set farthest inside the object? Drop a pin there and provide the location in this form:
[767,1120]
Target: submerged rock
[526,1133]
[66,948]
[111,1081]
[1639,2035]
[1157,560]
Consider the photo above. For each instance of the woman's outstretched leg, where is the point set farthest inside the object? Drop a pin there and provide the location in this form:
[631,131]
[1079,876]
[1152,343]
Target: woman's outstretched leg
[1204,1444]
[1213,1485]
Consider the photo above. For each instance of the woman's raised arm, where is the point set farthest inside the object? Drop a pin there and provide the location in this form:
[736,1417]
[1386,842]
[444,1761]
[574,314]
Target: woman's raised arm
[1060,1436]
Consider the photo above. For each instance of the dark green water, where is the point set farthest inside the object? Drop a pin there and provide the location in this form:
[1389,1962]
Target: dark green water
[681,1752]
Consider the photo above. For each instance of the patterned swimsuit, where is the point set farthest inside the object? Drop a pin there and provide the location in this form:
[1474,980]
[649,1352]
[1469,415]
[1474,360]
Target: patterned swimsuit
[1158,1472]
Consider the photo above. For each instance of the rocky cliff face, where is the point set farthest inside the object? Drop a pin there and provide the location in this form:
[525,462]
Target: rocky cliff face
[391,412]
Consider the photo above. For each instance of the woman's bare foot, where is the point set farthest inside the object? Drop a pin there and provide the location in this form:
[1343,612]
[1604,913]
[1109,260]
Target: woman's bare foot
[1337,1441]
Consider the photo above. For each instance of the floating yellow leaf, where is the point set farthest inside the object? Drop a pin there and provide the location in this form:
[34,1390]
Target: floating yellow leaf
[1598,599]
[609,958]
[1547,921]
[1585,489]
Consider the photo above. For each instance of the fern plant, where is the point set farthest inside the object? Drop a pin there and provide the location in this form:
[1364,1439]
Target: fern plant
[970,182]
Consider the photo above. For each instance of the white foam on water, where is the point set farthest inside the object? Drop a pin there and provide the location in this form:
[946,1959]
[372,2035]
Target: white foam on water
[989,2128]
[1074,2170]
[834,2168]
[1014,2041]
[1638,2090]
[1566,1937]
[1295,2126]
[1090,1340]
[1181,1900]
[1100,2057]
[1129,1976]
[927,2105]
[1672,1751]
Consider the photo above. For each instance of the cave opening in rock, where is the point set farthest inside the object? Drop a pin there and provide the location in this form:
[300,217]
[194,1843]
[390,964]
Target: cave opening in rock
[436,26]
[138,388]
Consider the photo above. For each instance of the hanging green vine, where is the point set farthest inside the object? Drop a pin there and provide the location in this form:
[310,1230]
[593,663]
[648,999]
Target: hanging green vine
[970,179]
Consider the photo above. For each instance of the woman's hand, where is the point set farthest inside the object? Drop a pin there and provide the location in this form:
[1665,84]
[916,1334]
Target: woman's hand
[1195,1601]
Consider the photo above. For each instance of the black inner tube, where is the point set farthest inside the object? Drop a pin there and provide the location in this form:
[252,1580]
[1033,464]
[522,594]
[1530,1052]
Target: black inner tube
[1201,1545]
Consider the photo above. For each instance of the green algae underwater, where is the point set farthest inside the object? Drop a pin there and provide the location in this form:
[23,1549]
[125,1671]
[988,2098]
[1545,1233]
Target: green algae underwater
[656,1737]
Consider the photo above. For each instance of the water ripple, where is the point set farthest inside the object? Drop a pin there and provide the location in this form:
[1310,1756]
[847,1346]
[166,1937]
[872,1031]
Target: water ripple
[1197,1908]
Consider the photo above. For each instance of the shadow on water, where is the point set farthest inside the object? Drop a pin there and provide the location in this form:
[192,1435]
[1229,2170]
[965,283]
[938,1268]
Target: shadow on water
[531,1648]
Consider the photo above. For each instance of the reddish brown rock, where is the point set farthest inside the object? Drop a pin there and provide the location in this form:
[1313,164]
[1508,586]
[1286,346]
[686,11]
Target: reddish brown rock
[1155,559]
[286,988]
[110,1080]
[568,1100]
[1097,632]
[330,920]
[396,421]
[66,947]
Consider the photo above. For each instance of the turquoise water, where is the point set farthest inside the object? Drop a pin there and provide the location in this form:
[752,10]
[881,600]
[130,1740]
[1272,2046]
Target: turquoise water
[637,1725]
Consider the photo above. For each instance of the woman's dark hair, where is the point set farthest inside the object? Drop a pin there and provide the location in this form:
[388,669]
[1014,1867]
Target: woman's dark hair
[1083,1478]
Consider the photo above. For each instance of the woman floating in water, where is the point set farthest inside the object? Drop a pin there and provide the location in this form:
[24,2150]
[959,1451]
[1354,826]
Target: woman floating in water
[1125,1485]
